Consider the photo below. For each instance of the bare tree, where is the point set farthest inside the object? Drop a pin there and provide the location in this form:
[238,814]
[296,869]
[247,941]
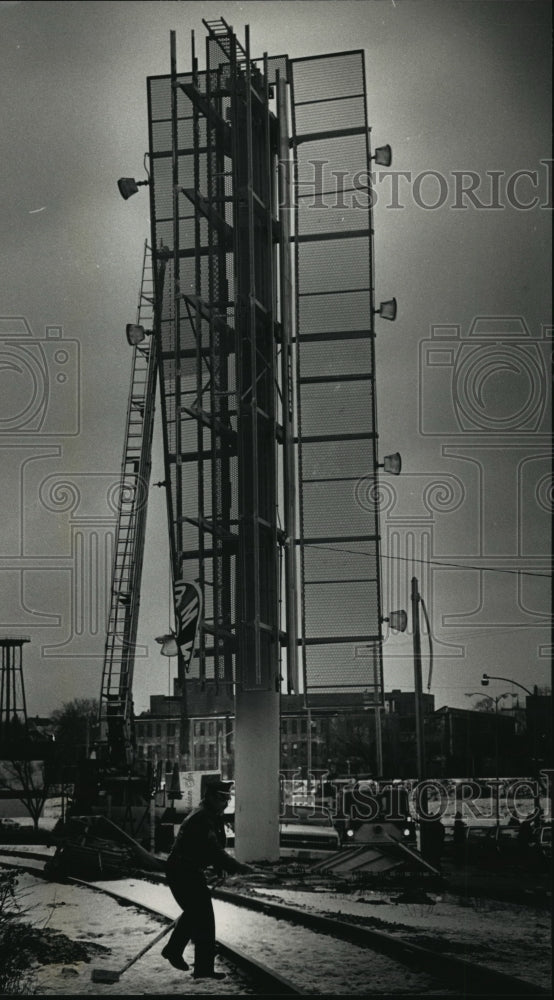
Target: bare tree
[76,723]
[31,781]
[483,705]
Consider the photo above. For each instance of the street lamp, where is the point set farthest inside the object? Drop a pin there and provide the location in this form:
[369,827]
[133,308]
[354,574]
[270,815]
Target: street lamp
[495,700]
[489,677]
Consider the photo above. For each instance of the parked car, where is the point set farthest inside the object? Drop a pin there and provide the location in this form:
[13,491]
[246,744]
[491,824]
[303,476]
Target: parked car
[308,832]
[390,817]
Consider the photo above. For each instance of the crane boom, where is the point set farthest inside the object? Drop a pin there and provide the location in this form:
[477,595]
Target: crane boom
[116,743]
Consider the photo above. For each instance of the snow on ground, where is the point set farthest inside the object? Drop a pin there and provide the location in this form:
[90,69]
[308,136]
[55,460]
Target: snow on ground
[117,932]
[512,938]
[506,937]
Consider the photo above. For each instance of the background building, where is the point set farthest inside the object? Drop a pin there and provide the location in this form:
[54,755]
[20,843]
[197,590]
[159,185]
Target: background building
[337,735]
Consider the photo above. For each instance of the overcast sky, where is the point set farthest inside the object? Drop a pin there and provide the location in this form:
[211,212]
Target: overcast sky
[454,87]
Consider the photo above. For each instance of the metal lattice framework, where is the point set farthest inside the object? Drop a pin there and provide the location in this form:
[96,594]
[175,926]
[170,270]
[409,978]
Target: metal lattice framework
[213,146]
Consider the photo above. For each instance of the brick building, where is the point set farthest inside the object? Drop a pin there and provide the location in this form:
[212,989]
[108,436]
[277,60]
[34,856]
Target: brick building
[338,735]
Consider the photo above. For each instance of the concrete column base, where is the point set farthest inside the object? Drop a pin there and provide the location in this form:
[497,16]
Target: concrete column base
[257,776]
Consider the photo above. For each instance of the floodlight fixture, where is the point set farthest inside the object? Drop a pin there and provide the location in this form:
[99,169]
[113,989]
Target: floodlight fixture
[168,644]
[136,334]
[383,156]
[392,464]
[387,310]
[128,186]
[398,620]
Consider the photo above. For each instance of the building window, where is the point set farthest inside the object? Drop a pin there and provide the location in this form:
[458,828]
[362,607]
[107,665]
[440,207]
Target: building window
[284,726]
[158,729]
[148,729]
[211,728]
[171,729]
[171,751]
[294,726]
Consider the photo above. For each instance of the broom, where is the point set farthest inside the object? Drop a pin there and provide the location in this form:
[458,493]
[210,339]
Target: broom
[113,975]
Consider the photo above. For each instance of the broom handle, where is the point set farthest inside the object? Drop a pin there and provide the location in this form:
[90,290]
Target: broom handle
[147,946]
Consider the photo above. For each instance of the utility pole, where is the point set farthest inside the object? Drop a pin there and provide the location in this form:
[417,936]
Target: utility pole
[420,741]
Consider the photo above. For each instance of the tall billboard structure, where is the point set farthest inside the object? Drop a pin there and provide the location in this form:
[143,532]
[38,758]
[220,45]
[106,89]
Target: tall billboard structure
[266,359]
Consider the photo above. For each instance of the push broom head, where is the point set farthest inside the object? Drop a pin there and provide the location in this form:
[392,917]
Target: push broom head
[105,976]
[113,975]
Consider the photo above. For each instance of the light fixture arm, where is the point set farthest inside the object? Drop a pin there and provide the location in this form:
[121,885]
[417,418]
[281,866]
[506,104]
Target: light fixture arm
[489,677]
[428,623]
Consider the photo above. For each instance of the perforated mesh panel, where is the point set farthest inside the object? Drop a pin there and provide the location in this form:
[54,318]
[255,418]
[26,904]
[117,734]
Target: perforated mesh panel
[341,613]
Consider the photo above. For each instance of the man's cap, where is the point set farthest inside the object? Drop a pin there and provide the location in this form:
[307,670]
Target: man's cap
[219,787]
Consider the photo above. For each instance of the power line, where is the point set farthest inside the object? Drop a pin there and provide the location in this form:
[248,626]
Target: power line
[431,562]
[453,565]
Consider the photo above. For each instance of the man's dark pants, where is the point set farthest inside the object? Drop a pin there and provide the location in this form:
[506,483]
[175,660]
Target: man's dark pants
[197,922]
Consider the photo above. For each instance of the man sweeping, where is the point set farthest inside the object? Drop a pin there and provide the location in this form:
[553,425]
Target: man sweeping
[199,844]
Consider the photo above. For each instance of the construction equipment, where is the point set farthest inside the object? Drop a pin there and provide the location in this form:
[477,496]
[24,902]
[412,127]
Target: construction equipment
[112,782]
[113,975]
[116,707]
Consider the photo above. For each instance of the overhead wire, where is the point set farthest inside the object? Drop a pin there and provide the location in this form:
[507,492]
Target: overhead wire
[430,562]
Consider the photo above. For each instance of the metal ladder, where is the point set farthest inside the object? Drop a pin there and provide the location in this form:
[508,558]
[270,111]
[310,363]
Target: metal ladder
[116,706]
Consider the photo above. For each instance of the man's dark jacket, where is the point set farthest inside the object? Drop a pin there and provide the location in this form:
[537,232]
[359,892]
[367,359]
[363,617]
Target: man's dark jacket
[200,843]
